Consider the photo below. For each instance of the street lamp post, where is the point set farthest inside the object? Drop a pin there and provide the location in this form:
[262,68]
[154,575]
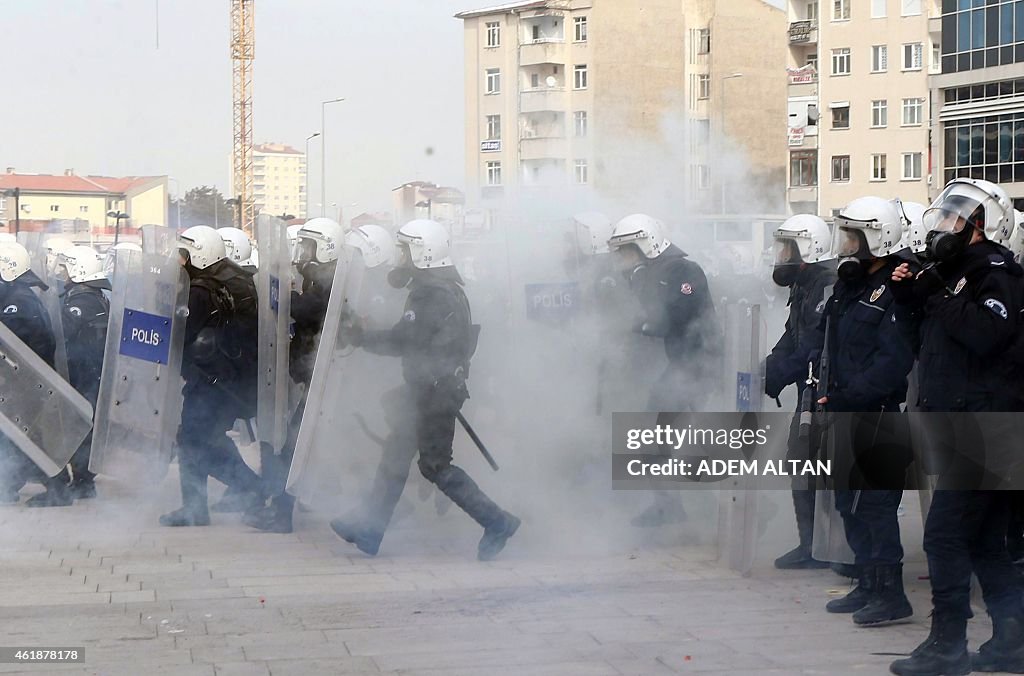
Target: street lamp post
[721,134]
[117,216]
[323,152]
[308,139]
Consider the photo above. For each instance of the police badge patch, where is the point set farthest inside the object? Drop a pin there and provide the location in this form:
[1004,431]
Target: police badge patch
[409,316]
[960,285]
[877,293]
[997,307]
[11,309]
[686,289]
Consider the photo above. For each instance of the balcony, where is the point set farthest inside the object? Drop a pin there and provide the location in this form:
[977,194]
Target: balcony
[803,33]
[544,99]
[543,51]
[543,148]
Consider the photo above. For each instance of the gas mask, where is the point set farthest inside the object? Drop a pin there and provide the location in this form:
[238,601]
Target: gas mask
[947,246]
[401,275]
[852,269]
[787,263]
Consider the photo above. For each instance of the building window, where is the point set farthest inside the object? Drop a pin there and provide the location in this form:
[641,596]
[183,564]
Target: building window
[580,77]
[911,166]
[493,34]
[84,209]
[803,168]
[913,56]
[493,81]
[841,61]
[910,7]
[840,10]
[812,11]
[879,113]
[703,86]
[703,177]
[840,168]
[812,60]
[493,173]
[878,167]
[704,41]
[879,58]
[936,65]
[580,23]
[913,110]
[989,148]
[582,172]
[494,127]
[878,9]
[581,123]
[55,208]
[841,117]
[3,203]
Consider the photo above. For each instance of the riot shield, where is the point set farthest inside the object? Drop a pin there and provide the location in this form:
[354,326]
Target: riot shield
[39,411]
[139,404]
[829,543]
[346,417]
[273,286]
[45,269]
[745,345]
[159,239]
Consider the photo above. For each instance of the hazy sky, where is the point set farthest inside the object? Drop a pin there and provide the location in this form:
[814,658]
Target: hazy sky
[90,90]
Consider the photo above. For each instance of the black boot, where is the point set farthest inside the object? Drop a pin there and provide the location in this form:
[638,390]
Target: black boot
[366,539]
[1005,650]
[273,518]
[496,535]
[847,570]
[57,493]
[943,653]
[889,604]
[233,500]
[859,597]
[799,558]
[84,489]
[186,517]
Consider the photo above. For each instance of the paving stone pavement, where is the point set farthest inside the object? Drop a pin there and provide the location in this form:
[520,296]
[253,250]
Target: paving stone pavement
[227,601]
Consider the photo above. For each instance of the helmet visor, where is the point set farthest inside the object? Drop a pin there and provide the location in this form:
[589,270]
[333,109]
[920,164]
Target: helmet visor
[305,251]
[786,251]
[850,243]
[403,257]
[952,213]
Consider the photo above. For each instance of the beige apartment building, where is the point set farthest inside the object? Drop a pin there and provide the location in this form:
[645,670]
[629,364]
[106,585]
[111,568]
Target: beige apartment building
[858,101]
[279,173]
[610,96]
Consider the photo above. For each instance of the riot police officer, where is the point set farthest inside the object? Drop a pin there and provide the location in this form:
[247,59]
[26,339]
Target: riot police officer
[84,316]
[435,339]
[972,299]
[23,313]
[870,358]
[677,309]
[319,243]
[219,368]
[805,264]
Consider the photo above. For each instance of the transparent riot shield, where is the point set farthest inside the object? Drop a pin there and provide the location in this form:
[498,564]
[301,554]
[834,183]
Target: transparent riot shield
[46,269]
[347,415]
[39,411]
[273,286]
[829,542]
[745,346]
[139,404]
[161,240]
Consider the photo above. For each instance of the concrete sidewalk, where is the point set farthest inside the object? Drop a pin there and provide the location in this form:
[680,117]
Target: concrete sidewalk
[225,600]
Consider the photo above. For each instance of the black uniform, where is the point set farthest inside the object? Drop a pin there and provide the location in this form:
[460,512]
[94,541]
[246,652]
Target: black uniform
[84,316]
[23,313]
[435,339]
[870,359]
[219,368]
[787,365]
[678,308]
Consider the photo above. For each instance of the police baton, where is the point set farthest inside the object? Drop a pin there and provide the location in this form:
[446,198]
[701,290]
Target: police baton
[476,440]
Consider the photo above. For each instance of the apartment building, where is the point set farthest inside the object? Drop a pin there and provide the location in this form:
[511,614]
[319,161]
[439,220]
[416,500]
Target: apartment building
[978,97]
[279,179]
[858,101]
[611,95]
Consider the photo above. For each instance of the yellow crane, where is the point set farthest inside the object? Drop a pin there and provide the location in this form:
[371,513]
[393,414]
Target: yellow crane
[243,52]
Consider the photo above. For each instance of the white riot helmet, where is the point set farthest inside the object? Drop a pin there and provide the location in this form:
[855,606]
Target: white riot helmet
[56,245]
[14,261]
[374,242]
[593,230]
[914,234]
[1016,243]
[648,234]
[6,237]
[809,234]
[425,244]
[318,241]
[110,258]
[973,201]
[203,245]
[869,227]
[82,264]
[236,244]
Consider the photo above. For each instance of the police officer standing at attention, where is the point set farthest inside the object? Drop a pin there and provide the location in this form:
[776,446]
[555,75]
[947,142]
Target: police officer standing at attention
[435,339]
[805,264]
[316,257]
[84,317]
[973,298]
[677,308]
[870,358]
[23,313]
[219,368]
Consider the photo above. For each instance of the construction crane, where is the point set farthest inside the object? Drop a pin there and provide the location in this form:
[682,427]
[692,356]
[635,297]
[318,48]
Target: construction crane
[243,51]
